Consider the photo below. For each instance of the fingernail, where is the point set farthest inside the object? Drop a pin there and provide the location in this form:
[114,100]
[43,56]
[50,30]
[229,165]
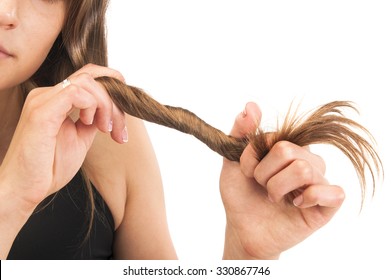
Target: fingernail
[244,113]
[270,198]
[125,135]
[298,200]
[110,126]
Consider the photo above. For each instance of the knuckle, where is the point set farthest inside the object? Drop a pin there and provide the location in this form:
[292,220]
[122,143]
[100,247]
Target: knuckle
[33,93]
[33,100]
[303,170]
[89,66]
[284,150]
[71,91]
[106,105]
[119,75]
[85,77]
[30,100]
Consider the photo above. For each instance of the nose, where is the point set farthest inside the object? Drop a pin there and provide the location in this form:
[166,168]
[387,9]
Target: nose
[8,14]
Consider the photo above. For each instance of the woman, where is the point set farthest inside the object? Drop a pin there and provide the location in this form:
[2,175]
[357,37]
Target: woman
[51,129]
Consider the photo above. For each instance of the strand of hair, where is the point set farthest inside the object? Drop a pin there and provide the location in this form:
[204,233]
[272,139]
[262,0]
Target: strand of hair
[324,125]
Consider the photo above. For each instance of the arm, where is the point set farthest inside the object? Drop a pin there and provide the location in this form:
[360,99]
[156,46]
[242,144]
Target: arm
[128,177]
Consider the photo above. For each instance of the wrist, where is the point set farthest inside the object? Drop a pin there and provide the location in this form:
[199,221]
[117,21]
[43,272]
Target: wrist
[14,213]
[20,190]
[235,249]
[14,201]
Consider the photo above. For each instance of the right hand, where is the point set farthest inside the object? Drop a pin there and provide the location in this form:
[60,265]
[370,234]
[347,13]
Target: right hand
[261,224]
[48,147]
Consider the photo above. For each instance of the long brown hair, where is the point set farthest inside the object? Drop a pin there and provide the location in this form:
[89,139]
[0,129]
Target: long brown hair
[81,41]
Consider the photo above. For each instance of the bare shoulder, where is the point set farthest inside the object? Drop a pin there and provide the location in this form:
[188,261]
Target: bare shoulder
[128,178]
[115,169]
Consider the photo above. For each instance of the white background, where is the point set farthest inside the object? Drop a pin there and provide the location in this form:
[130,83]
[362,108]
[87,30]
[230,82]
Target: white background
[213,56]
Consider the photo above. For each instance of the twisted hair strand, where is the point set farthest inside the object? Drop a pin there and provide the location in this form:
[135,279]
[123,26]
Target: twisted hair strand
[324,125]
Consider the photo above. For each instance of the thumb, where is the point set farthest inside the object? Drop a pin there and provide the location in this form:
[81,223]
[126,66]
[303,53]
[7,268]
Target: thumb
[247,121]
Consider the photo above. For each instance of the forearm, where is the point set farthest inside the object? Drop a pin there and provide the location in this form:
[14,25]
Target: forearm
[13,215]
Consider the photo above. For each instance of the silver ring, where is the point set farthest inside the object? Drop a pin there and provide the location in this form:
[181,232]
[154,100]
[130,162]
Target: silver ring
[66,83]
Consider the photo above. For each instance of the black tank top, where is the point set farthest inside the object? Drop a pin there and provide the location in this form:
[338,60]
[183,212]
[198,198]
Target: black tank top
[57,229]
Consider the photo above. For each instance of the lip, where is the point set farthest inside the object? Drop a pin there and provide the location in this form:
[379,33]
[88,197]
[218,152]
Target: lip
[4,52]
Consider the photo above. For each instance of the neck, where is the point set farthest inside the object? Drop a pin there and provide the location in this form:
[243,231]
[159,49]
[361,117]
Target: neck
[11,103]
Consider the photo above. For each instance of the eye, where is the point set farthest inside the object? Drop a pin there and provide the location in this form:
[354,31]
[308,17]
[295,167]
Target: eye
[44,2]
[50,1]
[46,6]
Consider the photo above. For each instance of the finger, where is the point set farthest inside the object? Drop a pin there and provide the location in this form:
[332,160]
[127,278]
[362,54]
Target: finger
[66,100]
[85,115]
[327,196]
[86,132]
[119,132]
[108,118]
[103,113]
[249,161]
[298,175]
[96,71]
[40,95]
[281,155]
[247,121]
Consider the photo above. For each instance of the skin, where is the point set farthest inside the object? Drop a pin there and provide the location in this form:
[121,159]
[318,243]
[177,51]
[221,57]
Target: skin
[46,140]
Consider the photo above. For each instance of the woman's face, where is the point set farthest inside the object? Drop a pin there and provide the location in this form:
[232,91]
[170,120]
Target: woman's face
[28,29]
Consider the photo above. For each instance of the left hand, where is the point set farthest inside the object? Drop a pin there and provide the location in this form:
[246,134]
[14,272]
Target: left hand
[261,224]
